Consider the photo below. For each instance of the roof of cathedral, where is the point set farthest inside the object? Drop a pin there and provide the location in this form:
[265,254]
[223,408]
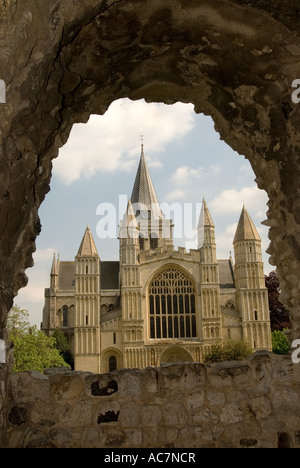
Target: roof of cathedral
[87,247]
[66,276]
[109,275]
[246,229]
[110,271]
[143,192]
[226,274]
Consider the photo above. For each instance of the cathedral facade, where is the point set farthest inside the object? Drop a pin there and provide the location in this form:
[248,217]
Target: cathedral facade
[158,304]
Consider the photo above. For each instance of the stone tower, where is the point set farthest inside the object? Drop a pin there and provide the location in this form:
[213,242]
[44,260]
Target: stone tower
[251,295]
[87,300]
[143,229]
[132,321]
[209,278]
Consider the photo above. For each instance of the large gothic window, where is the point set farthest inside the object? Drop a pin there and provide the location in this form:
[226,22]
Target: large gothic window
[172,306]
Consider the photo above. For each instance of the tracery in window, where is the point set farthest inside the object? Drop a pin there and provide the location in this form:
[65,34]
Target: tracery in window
[172,306]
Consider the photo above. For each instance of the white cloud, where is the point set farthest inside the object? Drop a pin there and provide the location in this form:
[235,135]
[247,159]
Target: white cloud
[246,170]
[42,255]
[214,169]
[224,241]
[232,200]
[111,142]
[184,180]
[176,195]
[184,174]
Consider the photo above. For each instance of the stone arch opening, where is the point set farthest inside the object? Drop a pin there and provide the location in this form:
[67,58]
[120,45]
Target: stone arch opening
[231,60]
[175,354]
[112,359]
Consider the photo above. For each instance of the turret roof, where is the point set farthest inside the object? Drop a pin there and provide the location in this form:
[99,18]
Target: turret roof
[87,247]
[246,229]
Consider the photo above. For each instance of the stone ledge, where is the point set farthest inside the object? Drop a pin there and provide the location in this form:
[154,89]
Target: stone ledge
[238,404]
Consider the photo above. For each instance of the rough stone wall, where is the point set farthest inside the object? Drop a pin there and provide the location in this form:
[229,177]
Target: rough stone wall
[62,60]
[234,404]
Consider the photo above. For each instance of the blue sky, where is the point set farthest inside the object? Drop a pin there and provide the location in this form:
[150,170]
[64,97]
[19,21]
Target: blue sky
[187,161]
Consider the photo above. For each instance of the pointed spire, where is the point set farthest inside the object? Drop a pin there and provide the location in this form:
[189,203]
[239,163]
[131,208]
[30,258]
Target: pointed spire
[246,229]
[129,225]
[205,221]
[205,218]
[54,266]
[87,247]
[143,194]
[130,216]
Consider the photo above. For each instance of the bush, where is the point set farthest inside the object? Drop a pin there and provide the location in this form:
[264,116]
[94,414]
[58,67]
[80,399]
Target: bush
[280,344]
[230,351]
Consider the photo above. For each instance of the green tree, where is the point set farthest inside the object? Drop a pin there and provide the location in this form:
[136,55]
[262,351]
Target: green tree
[18,319]
[280,344]
[231,350]
[33,350]
[63,345]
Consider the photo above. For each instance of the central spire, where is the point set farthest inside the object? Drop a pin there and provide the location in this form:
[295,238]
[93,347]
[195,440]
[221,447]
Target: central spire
[143,194]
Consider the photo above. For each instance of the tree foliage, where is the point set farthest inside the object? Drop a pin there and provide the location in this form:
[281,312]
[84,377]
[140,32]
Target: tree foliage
[63,345]
[280,344]
[33,350]
[18,319]
[279,315]
[232,350]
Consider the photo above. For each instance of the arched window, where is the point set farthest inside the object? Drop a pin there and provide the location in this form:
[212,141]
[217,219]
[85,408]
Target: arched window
[65,311]
[172,306]
[153,242]
[142,243]
[112,363]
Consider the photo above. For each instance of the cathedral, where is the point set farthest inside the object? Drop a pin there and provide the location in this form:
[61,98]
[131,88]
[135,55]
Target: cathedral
[157,304]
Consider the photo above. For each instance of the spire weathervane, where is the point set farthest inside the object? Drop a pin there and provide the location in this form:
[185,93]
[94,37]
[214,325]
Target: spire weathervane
[142,139]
